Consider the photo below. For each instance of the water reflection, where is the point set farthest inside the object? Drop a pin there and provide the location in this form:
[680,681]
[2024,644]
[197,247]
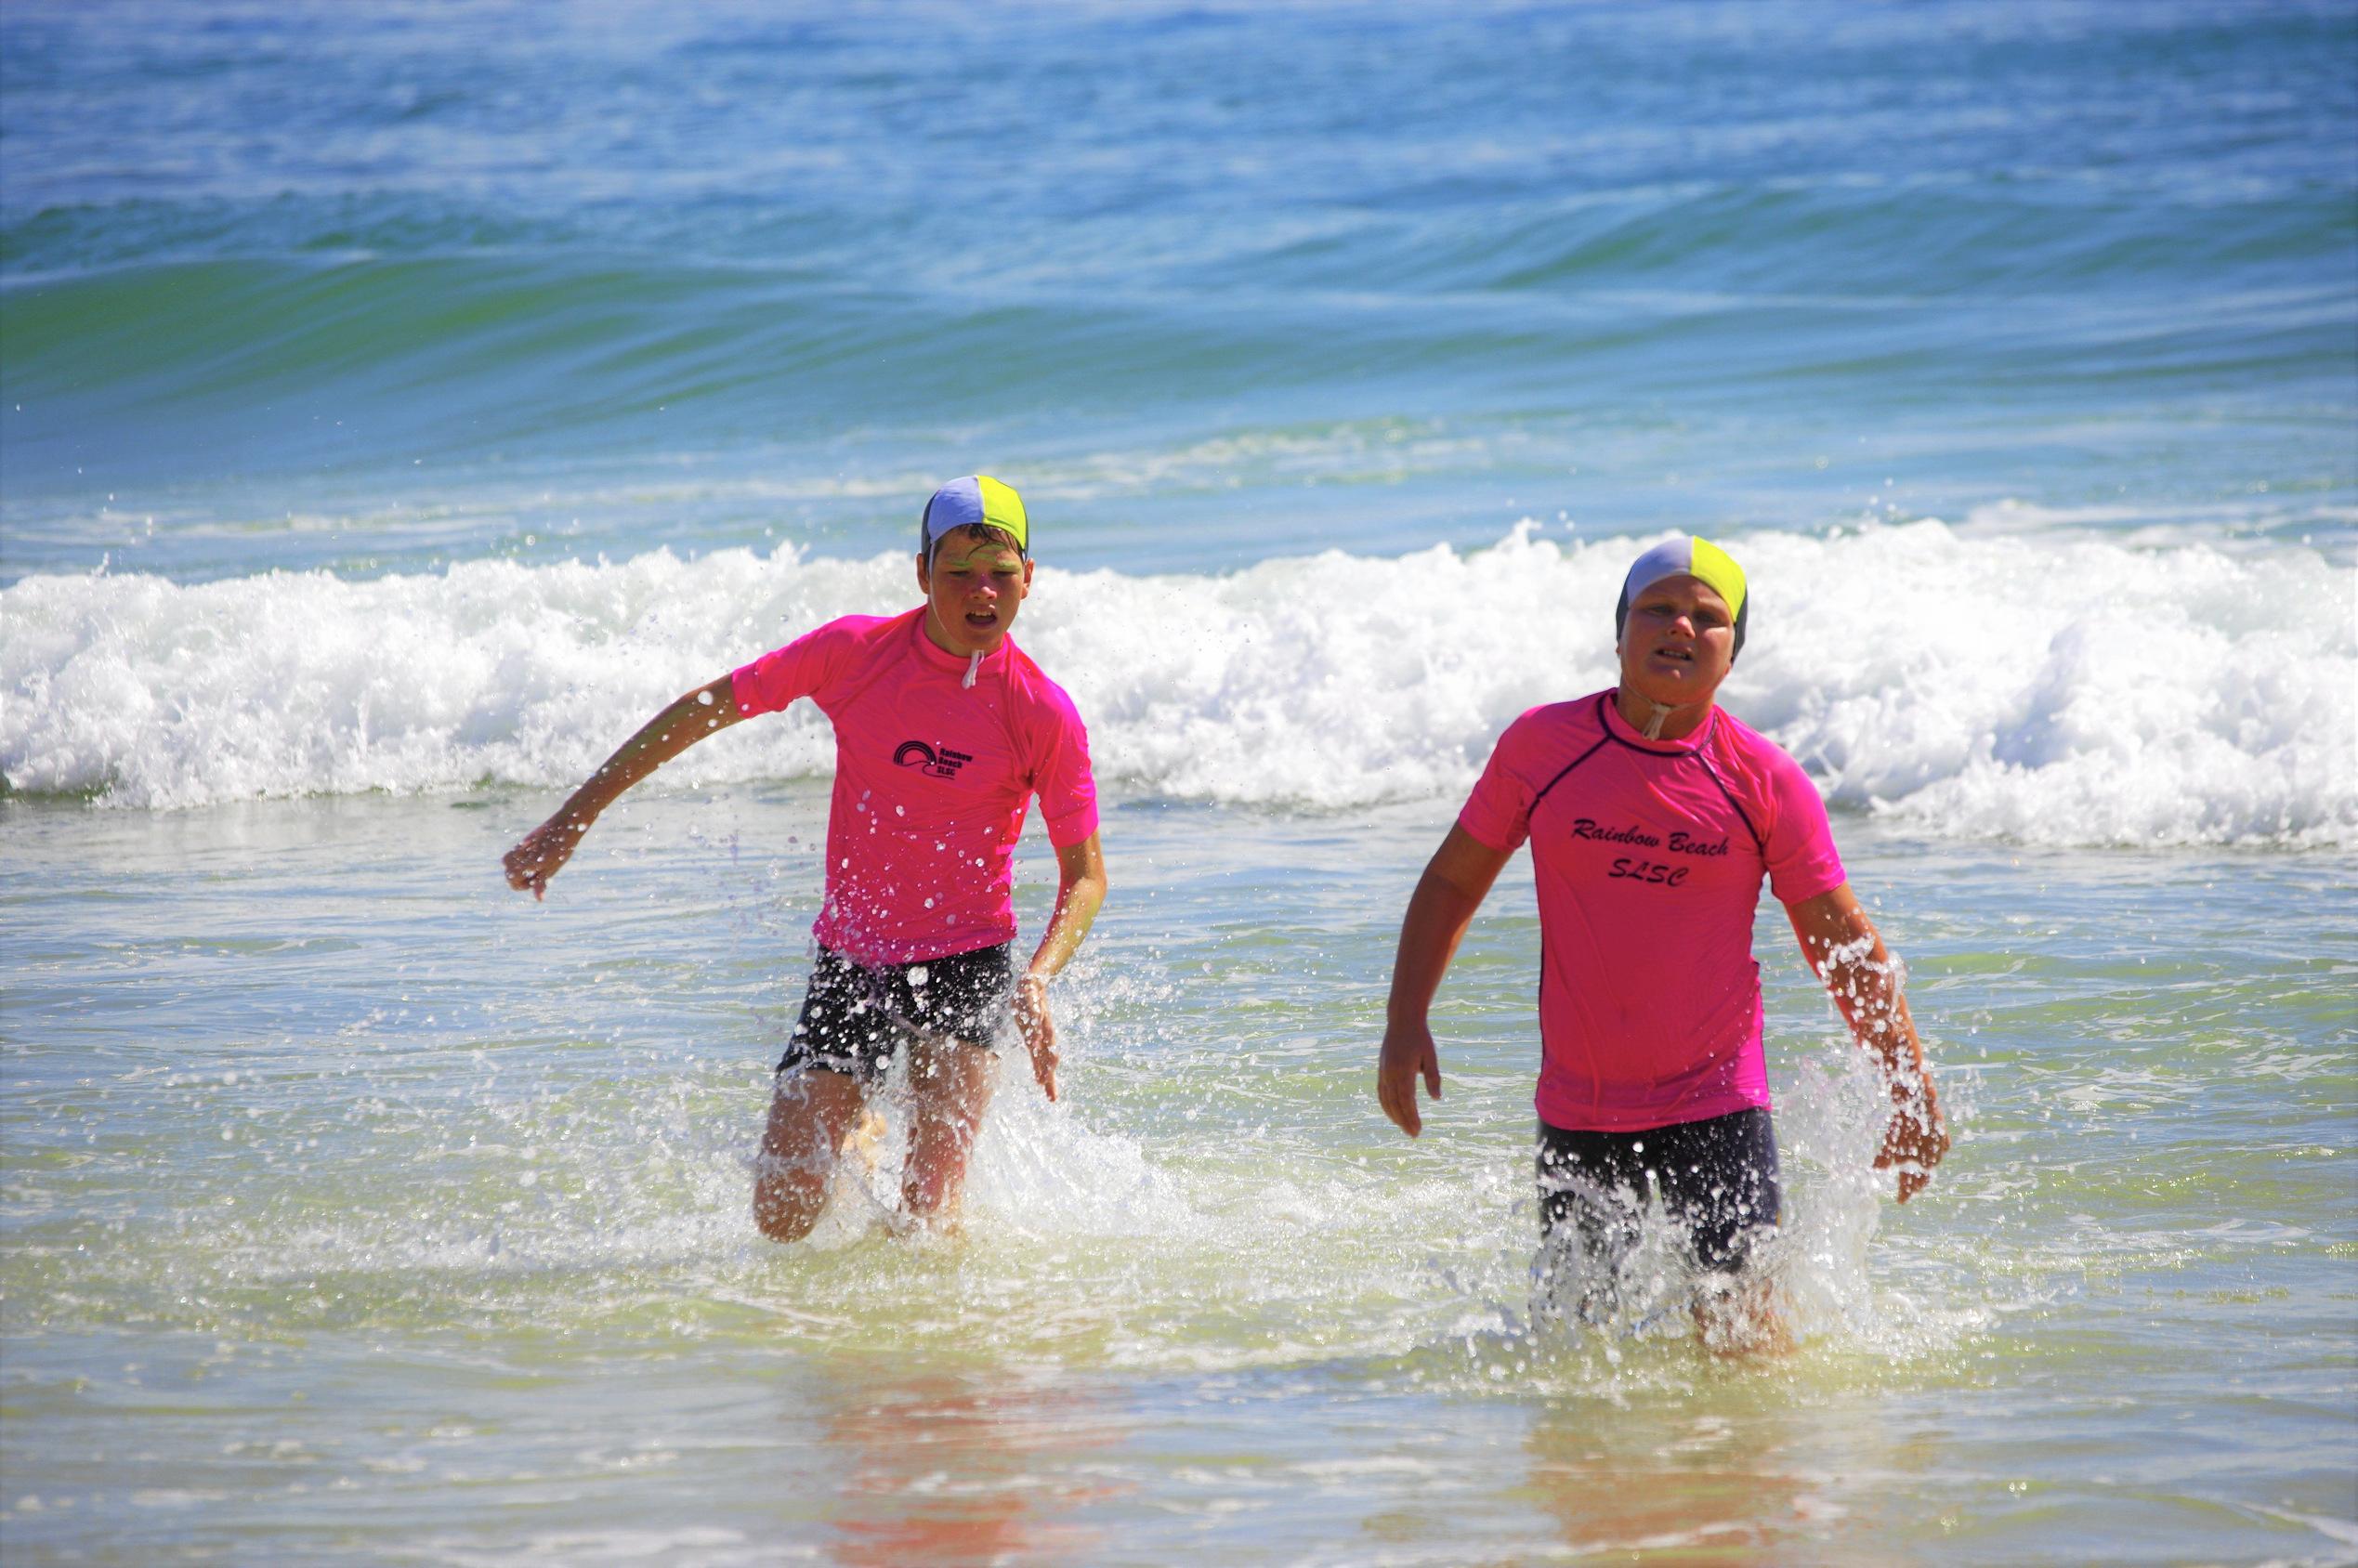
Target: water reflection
[967,1465]
[1712,1479]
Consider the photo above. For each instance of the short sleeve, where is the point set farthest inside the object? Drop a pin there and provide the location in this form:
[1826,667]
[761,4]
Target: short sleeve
[1800,851]
[1060,771]
[1499,811]
[800,668]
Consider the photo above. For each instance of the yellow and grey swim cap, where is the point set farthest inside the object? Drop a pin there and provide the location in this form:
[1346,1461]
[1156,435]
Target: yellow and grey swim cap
[975,500]
[1691,556]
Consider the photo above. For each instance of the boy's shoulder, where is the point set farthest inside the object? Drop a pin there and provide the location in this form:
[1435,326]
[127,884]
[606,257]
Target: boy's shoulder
[1034,692]
[1542,740]
[845,634]
[860,629]
[852,644]
[1553,724]
[1755,766]
[1733,738]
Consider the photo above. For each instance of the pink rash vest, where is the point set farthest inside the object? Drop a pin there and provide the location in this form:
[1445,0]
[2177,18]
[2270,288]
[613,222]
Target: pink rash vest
[932,781]
[1648,857]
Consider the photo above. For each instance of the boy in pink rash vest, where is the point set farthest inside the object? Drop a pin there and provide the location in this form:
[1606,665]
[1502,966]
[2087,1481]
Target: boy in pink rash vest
[1653,817]
[944,732]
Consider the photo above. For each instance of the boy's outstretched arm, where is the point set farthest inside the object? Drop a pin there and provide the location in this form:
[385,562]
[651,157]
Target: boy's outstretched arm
[1843,948]
[1080,890]
[1455,882]
[546,848]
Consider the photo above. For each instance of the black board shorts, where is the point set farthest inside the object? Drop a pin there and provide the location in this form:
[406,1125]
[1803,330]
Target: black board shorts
[1718,1178]
[855,1015]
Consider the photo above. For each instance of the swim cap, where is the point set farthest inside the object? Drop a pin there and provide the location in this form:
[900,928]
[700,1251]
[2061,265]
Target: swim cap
[1692,556]
[975,500]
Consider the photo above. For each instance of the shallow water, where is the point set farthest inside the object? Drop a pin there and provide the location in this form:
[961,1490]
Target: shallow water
[361,1207]
[402,401]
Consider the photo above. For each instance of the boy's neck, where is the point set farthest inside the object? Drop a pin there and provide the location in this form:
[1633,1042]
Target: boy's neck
[1660,720]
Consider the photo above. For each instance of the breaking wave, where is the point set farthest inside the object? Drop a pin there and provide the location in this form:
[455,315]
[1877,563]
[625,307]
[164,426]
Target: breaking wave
[1973,683]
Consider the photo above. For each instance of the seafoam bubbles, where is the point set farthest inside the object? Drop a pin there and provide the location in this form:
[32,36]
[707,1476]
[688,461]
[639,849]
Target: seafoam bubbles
[1976,684]
[1331,680]
[149,694]
[2073,691]
[2064,691]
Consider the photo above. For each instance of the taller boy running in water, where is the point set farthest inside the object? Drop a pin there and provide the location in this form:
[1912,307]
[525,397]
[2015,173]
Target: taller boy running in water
[1653,816]
[944,731]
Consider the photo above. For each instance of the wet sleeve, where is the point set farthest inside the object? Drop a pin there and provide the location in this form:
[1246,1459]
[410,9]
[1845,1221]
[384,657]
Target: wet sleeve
[1801,859]
[799,668]
[1499,811]
[1060,771]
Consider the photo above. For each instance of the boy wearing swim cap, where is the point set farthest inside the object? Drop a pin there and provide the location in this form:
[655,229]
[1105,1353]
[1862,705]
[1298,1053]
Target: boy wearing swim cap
[1653,814]
[944,732]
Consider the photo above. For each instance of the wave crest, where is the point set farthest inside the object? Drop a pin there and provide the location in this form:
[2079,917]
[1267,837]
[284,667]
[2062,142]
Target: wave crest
[1973,683]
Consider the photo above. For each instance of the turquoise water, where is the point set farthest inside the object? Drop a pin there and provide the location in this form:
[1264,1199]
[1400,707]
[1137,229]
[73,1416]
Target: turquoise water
[401,404]
[436,280]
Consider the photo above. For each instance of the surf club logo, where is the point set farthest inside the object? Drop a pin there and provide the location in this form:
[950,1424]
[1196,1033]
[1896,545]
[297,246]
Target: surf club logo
[1681,839]
[942,763]
[1641,868]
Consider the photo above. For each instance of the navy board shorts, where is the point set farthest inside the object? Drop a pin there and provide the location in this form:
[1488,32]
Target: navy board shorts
[855,1015]
[1718,1178]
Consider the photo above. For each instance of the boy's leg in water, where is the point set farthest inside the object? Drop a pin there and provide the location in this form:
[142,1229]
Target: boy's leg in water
[1737,1315]
[1720,1179]
[1591,1195]
[842,1044]
[950,1087]
[809,1113]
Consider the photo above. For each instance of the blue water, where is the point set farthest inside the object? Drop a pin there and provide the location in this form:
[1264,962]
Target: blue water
[1276,275]
[398,402]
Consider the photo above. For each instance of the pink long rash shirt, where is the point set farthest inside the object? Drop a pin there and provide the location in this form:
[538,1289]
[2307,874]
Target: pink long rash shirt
[932,781]
[1648,857]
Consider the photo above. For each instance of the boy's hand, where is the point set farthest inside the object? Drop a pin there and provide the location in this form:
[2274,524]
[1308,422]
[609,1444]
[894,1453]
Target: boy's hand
[1914,1141]
[542,852]
[1407,1053]
[1040,1029]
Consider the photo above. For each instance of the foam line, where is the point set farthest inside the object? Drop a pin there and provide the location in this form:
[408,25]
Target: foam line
[1976,682]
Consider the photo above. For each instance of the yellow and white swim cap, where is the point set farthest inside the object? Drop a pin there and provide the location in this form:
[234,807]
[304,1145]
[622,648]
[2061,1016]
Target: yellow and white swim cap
[1691,556]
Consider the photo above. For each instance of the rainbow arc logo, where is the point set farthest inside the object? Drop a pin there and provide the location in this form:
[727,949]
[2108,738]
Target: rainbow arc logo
[940,763]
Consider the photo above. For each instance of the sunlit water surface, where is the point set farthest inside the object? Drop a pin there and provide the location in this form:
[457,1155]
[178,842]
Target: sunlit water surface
[358,1207]
[404,401]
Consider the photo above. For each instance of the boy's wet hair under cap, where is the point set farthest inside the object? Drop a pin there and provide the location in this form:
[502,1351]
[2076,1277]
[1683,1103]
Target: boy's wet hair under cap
[976,501]
[1692,556]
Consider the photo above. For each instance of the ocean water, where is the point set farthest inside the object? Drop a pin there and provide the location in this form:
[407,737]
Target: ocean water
[398,403]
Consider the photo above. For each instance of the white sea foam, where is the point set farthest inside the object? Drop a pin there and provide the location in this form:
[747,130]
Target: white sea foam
[2072,689]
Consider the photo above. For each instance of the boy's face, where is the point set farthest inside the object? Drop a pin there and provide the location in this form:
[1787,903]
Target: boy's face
[975,586]
[1678,642]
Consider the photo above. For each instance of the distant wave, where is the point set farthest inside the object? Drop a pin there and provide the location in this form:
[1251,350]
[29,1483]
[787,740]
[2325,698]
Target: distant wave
[159,370]
[1973,683]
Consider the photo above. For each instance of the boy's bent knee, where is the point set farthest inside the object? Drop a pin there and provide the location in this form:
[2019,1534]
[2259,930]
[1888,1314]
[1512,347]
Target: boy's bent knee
[796,1164]
[788,1197]
[784,1220]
